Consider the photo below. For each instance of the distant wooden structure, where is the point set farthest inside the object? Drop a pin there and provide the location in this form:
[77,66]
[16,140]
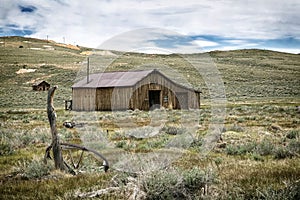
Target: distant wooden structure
[41,86]
[68,104]
[143,90]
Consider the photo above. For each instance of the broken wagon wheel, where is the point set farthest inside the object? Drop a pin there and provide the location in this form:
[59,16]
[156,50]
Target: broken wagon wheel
[68,146]
[72,158]
[57,146]
[95,153]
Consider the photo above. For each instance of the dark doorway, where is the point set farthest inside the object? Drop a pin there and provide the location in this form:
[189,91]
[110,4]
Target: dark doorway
[154,99]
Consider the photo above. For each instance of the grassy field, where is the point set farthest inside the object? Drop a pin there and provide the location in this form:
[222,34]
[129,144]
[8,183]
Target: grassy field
[258,156]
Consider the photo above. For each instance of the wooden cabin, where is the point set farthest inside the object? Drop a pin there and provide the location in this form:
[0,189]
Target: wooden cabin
[41,86]
[144,90]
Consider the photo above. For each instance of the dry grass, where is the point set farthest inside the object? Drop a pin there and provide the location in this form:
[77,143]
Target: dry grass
[262,92]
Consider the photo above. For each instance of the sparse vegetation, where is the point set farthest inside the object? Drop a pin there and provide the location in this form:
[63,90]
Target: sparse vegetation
[293,134]
[257,156]
[35,169]
[177,184]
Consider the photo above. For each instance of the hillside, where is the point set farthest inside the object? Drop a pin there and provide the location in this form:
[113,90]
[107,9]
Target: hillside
[246,74]
[167,154]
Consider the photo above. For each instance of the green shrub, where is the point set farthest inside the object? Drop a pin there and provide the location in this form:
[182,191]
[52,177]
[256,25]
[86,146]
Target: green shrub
[5,148]
[232,150]
[121,144]
[26,121]
[26,138]
[240,149]
[218,161]
[265,147]
[194,178]
[6,142]
[37,169]
[196,144]
[281,153]
[158,142]
[293,134]
[144,147]
[34,169]
[294,147]
[173,184]
[257,157]
[162,185]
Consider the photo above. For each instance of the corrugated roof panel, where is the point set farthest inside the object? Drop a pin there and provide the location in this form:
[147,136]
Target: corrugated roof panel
[112,79]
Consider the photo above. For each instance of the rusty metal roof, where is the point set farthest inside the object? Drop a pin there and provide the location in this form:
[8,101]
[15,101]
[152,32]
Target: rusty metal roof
[112,79]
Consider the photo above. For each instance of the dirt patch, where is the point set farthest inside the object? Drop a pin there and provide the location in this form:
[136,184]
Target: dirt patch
[101,53]
[67,46]
[22,71]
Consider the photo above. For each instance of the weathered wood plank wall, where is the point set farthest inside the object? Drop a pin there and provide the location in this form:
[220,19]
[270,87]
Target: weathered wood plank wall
[172,95]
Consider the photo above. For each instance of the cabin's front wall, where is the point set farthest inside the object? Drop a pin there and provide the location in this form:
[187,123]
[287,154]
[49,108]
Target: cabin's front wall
[172,96]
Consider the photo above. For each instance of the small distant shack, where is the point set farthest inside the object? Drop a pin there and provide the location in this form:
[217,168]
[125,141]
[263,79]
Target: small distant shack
[143,90]
[41,86]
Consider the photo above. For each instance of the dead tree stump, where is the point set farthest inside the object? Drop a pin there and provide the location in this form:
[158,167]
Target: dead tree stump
[57,152]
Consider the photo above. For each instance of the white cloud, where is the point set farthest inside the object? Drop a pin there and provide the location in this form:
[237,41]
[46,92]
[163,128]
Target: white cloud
[150,40]
[237,42]
[205,43]
[93,22]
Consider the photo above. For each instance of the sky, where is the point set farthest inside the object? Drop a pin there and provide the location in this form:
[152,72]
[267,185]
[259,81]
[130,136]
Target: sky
[157,25]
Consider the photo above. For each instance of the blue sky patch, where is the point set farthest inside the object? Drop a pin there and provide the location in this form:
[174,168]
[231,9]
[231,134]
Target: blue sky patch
[288,42]
[27,9]
[172,41]
[15,32]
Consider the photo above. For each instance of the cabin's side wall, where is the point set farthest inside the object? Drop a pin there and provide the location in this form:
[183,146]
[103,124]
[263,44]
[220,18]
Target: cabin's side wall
[194,99]
[84,99]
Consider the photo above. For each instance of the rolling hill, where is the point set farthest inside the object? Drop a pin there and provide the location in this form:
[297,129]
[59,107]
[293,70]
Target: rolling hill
[247,75]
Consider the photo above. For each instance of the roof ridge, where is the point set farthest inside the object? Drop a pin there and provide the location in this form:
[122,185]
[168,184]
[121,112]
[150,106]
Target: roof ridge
[125,71]
[114,79]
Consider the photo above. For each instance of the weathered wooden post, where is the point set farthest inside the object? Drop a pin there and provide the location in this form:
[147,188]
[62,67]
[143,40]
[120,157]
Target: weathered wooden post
[57,152]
